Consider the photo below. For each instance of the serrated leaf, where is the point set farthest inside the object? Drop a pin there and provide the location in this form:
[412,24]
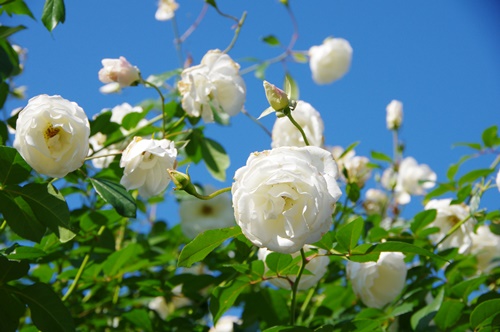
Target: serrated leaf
[204,244]
[53,13]
[484,312]
[291,87]
[215,157]
[13,168]
[349,234]
[223,297]
[48,313]
[421,319]
[381,156]
[116,195]
[271,40]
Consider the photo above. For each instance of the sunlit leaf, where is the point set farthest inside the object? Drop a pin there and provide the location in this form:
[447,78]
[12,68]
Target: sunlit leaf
[215,157]
[53,13]
[421,319]
[484,313]
[13,168]
[116,195]
[349,234]
[271,40]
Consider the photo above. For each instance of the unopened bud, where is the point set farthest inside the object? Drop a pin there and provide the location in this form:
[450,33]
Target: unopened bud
[182,182]
[276,97]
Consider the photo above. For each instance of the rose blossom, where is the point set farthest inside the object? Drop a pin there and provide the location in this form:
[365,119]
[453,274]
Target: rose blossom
[166,10]
[286,134]
[216,83]
[226,324]
[146,162]
[284,198]
[394,116]
[378,284]
[316,265]
[340,159]
[199,215]
[485,247]
[52,135]
[375,201]
[330,61]
[498,180]
[446,218]
[105,155]
[118,70]
[358,170]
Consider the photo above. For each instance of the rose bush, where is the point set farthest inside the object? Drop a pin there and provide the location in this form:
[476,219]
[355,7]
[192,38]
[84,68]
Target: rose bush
[52,135]
[284,198]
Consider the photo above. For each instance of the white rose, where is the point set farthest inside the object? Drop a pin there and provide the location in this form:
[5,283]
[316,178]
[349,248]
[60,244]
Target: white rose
[284,198]
[375,201]
[104,156]
[225,324]
[358,170]
[120,111]
[52,135]
[498,180]
[119,71]
[378,284]
[448,216]
[337,152]
[286,134]
[199,215]
[166,10]
[330,61]
[316,264]
[409,180]
[215,82]
[159,305]
[146,162]
[394,116]
[486,248]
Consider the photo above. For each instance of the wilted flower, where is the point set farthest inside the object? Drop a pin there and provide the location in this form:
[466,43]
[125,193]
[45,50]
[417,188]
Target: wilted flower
[317,265]
[146,162]
[199,215]
[394,116]
[375,201]
[486,248]
[378,284]
[119,71]
[286,134]
[446,218]
[330,61]
[214,85]
[358,170]
[166,10]
[284,198]
[52,135]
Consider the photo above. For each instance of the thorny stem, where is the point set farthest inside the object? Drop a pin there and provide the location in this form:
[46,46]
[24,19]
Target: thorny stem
[257,122]
[289,115]
[163,111]
[236,32]
[296,286]
[82,268]
[193,26]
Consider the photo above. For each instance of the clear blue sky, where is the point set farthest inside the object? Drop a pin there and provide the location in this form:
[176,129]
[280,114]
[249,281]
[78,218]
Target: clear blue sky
[440,58]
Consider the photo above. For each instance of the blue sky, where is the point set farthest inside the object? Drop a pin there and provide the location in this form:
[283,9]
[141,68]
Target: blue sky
[440,58]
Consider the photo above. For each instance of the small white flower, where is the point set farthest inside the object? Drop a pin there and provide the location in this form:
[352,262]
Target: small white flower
[166,10]
[52,135]
[317,265]
[286,134]
[378,284]
[486,248]
[358,170]
[120,111]
[446,218]
[146,162]
[199,215]
[340,159]
[97,143]
[394,116]
[226,324]
[216,83]
[284,198]
[498,180]
[375,201]
[119,71]
[159,305]
[330,61]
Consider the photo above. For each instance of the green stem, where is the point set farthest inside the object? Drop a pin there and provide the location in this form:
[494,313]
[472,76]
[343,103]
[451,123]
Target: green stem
[2,227]
[289,115]
[257,122]
[177,42]
[295,286]
[495,162]
[236,32]
[304,306]
[163,110]
[82,268]
[212,195]
[103,156]
[452,230]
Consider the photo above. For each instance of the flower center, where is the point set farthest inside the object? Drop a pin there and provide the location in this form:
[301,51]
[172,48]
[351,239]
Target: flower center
[453,219]
[207,210]
[53,138]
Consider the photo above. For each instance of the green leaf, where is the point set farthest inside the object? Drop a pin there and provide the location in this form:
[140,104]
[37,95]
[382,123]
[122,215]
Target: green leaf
[17,7]
[215,157]
[452,171]
[422,219]
[6,31]
[326,242]
[381,156]
[260,71]
[443,188]
[353,191]
[48,313]
[484,313]
[204,244]
[11,311]
[53,13]
[474,175]
[348,149]
[211,3]
[299,57]
[11,270]
[116,195]
[278,262]
[223,297]
[449,313]
[396,246]
[291,87]
[266,112]
[13,168]
[4,92]
[116,261]
[475,146]
[349,234]
[139,318]
[9,60]
[490,136]
[421,319]
[464,288]
[284,328]
[27,253]
[271,40]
